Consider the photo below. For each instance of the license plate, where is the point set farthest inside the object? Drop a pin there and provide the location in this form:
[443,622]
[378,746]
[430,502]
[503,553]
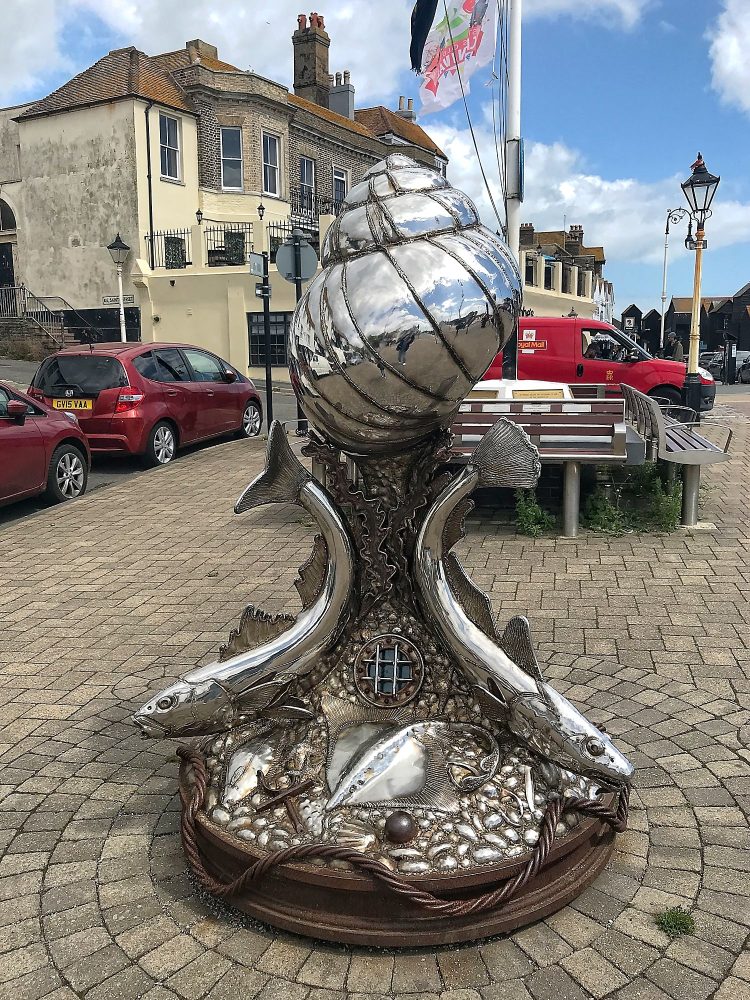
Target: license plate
[72,404]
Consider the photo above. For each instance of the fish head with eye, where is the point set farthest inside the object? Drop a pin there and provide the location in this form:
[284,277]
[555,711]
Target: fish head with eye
[186,709]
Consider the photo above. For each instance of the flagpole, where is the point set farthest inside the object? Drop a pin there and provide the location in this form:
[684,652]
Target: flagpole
[513,147]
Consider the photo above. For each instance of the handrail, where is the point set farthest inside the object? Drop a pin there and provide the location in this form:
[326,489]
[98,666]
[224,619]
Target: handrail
[69,308]
[18,302]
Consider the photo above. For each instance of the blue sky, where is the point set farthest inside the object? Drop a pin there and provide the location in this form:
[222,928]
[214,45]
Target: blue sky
[618,96]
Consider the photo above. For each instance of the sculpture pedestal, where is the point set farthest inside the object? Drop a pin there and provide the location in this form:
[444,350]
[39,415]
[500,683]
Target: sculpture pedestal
[342,905]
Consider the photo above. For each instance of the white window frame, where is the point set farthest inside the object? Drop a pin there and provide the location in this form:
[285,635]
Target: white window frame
[177,149]
[345,173]
[271,135]
[227,187]
[305,188]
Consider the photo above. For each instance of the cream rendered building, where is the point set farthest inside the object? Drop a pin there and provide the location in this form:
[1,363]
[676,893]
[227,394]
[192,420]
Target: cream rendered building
[177,153]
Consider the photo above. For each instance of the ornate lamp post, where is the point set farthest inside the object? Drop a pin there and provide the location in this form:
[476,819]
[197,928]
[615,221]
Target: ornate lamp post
[119,251]
[699,190]
[673,216]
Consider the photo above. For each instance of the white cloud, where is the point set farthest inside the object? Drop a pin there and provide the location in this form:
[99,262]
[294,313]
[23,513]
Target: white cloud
[30,49]
[627,13]
[730,42]
[624,215]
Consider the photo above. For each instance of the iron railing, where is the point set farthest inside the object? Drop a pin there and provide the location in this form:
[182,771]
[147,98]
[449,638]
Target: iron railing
[228,244]
[17,302]
[308,205]
[169,248]
[75,323]
[281,232]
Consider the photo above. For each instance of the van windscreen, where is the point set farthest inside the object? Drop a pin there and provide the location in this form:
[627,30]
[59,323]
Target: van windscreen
[89,373]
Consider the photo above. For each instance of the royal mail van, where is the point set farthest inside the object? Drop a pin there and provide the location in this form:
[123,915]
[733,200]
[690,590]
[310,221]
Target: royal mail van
[587,351]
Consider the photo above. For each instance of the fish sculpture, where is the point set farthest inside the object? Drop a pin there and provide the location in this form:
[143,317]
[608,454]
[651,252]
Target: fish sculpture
[409,764]
[233,691]
[510,688]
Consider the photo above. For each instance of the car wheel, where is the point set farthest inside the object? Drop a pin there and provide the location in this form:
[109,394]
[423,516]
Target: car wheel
[162,444]
[669,393]
[68,474]
[252,422]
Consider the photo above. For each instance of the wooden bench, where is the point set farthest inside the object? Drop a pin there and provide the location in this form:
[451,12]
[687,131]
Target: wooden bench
[675,441]
[566,432]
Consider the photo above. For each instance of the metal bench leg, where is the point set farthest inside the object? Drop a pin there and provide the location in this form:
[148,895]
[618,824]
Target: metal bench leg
[571,499]
[691,481]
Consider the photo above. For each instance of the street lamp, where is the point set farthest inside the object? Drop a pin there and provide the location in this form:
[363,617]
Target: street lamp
[199,217]
[119,251]
[699,190]
[673,216]
[261,211]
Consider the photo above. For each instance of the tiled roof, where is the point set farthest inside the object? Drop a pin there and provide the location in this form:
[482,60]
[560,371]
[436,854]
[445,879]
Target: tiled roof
[381,121]
[180,59]
[684,303]
[121,73]
[330,116]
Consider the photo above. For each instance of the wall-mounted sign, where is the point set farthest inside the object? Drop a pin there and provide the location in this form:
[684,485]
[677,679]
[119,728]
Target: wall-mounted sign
[114,300]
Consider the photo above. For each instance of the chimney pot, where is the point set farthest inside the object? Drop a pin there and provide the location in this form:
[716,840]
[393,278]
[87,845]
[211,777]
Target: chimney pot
[301,22]
[338,79]
[347,77]
[410,104]
[331,80]
[321,22]
[401,104]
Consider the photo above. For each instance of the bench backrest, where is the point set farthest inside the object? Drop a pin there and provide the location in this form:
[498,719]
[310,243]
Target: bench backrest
[646,416]
[562,430]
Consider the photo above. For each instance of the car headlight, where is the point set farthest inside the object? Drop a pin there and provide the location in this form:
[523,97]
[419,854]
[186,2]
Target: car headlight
[71,416]
[705,374]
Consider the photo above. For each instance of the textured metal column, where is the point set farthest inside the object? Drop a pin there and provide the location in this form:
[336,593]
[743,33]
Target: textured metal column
[691,481]
[571,499]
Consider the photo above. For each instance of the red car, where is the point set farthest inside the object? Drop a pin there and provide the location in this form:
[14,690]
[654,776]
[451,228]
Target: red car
[148,399]
[43,450]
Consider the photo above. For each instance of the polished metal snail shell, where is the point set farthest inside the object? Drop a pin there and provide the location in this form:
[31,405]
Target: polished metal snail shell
[414,300]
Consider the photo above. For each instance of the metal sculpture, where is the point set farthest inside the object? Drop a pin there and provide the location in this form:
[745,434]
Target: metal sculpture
[386,739]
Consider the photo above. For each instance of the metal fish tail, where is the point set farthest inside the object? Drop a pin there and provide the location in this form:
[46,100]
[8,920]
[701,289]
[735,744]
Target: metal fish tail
[282,479]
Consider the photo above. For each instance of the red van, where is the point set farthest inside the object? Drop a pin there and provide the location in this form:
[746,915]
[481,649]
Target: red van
[587,351]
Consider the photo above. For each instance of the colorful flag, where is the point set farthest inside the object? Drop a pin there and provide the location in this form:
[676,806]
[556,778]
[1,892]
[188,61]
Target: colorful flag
[462,42]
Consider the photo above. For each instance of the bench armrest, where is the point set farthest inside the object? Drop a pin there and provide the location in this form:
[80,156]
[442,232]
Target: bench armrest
[668,408]
[721,427]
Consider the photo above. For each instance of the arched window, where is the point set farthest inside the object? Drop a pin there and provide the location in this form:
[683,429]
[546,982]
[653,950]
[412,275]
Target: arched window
[7,218]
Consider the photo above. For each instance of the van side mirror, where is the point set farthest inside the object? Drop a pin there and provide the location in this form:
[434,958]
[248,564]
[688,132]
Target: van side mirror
[17,411]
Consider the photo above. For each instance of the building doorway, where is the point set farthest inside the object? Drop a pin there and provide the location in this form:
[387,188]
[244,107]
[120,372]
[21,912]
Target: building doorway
[7,274]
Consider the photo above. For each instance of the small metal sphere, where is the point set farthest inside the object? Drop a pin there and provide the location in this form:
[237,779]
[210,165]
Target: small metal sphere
[401,827]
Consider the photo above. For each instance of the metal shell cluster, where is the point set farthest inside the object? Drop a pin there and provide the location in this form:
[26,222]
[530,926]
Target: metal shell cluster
[414,300]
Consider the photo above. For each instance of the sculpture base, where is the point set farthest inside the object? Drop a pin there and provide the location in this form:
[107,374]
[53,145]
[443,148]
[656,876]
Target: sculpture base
[335,904]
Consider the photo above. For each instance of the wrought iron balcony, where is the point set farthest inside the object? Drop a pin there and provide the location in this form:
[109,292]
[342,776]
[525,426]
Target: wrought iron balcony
[307,206]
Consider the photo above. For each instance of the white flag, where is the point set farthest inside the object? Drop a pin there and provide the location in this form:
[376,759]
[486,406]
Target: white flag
[462,42]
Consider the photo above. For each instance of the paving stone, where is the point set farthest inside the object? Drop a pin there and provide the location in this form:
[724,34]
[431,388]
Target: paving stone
[325,968]
[241,984]
[416,973]
[733,989]
[131,982]
[196,978]
[462,967]
[244,946]
[679,981]
[593,972]
[170,956]
[94,969]
[554,983]
[629,955]
[513,989]
[504,959]
[542,945]
[370,974]
[283,958]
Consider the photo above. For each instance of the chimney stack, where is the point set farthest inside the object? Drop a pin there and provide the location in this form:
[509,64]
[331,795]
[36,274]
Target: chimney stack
[526,236]
[406,111]
[341,97]
[311,44]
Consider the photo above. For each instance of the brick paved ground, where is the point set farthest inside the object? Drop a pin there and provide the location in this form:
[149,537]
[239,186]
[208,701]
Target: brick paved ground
[102,598]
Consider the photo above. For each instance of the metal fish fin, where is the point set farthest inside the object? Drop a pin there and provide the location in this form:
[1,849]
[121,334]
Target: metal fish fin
[516,643]
[283,478]
[505,457]
[341,714]
[495,708]
[475,604]
[453,531]
[312,574]
[256,627]
[289,708]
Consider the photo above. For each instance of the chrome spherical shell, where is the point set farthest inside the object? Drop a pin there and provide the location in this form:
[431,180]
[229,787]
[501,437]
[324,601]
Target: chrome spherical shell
[415,299]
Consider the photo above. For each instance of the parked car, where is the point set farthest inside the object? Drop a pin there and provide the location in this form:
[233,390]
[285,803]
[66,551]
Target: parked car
[716,365]
[590,352]
[43,450]
[743,371]
[148,399]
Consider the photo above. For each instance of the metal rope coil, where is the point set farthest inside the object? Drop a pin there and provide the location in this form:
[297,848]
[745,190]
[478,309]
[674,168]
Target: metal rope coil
[192,801]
